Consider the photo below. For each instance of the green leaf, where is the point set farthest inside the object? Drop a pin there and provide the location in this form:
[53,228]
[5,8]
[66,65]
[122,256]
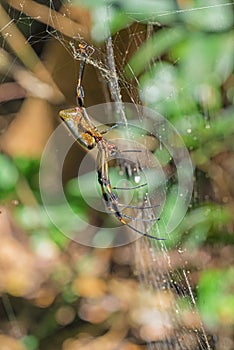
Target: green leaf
[148,10]
[112,20]
[203,60]
[163,90]
[215,296]
[160,43]
[9,174]
[27,166]
[210,15]
[31,342]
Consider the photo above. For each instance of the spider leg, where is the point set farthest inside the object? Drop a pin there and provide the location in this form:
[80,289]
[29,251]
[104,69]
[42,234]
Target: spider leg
[144,234]
[138,219]
[120,216]
[79,88]
[136,207]
[107,130]
[110,198]
[113,206]
[103,178]
[129,188]
[131,151]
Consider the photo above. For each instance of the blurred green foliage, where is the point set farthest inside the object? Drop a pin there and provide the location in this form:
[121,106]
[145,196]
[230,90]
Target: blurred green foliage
[215,296]
[9,175]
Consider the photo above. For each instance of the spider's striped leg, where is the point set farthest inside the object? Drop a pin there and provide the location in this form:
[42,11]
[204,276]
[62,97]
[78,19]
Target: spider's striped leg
[129,188]
[145,234]
[110,198]
[107,189]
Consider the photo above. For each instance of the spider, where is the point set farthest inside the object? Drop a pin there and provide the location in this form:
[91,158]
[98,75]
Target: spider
[87,135]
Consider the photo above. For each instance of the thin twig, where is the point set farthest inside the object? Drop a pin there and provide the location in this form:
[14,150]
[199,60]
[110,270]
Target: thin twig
[24,52]
[52,18]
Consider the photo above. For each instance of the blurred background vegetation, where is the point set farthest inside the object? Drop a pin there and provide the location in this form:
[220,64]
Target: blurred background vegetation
[173,56]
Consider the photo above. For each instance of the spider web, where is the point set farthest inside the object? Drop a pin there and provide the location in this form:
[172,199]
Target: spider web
[163,273]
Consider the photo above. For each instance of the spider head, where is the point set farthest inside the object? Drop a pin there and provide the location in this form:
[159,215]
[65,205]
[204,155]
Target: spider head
[70,114]
[72,118]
